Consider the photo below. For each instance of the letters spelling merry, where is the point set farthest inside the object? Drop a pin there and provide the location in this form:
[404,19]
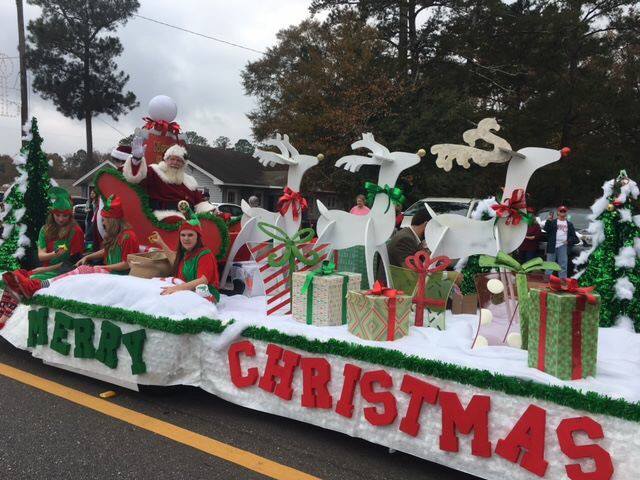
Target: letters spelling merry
[111,339]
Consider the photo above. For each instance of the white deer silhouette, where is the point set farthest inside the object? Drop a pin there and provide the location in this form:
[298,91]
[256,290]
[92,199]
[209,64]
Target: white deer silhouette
[342,230]
[297,166]
[456,236]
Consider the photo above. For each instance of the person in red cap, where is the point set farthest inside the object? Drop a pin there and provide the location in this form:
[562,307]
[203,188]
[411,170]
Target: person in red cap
[119,242]
[561,234]
[195,264]
[60,245]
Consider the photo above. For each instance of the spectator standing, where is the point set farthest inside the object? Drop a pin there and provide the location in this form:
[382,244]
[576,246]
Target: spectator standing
[360,208]
[91,234]
[529,248]
[561,234]
[254,201]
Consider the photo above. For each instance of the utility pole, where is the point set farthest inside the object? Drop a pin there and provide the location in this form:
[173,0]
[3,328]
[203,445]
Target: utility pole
[24,105]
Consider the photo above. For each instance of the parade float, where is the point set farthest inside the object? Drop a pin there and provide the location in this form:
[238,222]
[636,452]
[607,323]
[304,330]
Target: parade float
[533,385]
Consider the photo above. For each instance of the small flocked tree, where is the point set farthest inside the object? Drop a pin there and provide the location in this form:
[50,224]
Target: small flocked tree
[36,196]
[612,263]
[14,239]
[470,266]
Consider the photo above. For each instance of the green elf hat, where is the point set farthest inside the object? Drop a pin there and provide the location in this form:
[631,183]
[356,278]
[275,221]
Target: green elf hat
[191,222]
[61,203]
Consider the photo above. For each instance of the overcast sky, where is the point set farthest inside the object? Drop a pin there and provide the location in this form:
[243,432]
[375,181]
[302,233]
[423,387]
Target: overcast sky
[201,75]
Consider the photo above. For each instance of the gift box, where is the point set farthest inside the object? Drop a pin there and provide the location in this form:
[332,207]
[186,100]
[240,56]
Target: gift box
[563,330]
[320,297]
[380,314]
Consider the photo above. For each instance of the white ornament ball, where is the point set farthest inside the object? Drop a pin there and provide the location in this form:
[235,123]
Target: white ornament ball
[495,286]
[514,340]
[164,108]
[485,316]
[481,342]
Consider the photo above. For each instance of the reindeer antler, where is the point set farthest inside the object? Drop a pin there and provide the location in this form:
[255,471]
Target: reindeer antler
[269,159]
[369,142]
[292,150]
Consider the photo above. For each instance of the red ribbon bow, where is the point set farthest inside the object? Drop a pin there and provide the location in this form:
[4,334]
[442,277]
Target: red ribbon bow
[162,126]
[225,216]
[510,208]
[424,265]
[292,199]
[392,294]
[570,285]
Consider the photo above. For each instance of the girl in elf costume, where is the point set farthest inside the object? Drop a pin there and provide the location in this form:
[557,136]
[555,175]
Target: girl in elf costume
[60,245]
[119,242]
[195,264]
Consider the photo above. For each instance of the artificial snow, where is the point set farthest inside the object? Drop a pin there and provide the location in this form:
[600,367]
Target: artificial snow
[19,213]
[624,288]
[20,252]
[7,228]
[636,246]
[636,220]
[626,258]
[625,215]
[484,206]
[131,293]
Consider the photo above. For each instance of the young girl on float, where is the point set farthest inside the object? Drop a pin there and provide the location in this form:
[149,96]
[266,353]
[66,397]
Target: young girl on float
[119,242]
[195,264]
[60,245]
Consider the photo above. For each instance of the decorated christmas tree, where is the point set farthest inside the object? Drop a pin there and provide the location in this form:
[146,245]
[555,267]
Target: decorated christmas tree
[612,264]
[14,239]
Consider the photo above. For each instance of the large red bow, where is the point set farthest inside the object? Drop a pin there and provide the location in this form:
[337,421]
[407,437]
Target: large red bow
[380,289]
[570,285]
[424,265]
[162,126]
[292,199]
[510,208]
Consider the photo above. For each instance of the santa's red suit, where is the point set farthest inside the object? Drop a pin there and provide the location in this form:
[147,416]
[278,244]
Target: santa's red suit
[166,186]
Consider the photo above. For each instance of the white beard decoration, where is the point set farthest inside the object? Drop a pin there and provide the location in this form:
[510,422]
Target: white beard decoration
[175,176]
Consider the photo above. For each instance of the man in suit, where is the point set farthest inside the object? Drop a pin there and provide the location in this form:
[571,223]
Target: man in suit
[406,242]
[561,234]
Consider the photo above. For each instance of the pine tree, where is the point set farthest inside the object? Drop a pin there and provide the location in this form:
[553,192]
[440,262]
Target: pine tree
[36,197]
[14,239]
[612,264]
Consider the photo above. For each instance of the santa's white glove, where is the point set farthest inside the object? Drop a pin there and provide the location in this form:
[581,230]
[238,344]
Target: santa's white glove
[137,146]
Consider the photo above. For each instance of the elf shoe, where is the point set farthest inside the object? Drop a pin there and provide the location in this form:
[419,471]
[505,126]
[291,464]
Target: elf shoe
[27,286]
[10,279]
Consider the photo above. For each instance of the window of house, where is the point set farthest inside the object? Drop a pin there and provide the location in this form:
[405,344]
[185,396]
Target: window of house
[231,196]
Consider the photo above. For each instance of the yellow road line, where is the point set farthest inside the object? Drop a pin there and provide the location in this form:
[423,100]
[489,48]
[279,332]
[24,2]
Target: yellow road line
[208,445]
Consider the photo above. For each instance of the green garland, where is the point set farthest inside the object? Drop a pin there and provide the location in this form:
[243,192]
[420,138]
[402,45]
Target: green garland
[169,227]
[590,402]
[469,273]
[164,324]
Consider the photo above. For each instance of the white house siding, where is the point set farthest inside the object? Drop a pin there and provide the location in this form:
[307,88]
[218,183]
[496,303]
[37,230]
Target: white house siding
[215,193]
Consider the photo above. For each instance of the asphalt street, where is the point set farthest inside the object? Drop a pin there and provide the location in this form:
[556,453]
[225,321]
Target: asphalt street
[44,436]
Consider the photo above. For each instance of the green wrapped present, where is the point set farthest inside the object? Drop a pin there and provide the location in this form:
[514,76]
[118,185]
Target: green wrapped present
[507,262]
[319,297]
[380,314]
[563,334]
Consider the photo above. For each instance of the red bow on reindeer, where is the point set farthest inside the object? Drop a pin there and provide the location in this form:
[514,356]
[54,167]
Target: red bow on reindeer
[162,126]
[513,208]
[570,285]
[424,265]
[292,199]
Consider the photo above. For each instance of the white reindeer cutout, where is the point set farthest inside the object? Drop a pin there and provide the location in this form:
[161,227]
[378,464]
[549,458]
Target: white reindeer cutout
[463,154]
[342,230]
[457,237]
[297,166]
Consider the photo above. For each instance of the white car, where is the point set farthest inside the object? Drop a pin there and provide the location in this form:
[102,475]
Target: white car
[460,206]
[230,208]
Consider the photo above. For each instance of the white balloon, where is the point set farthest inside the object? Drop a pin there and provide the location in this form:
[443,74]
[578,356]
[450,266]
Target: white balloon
[495,286]
[514,340]
[485,316]
[162,107]
[481,342]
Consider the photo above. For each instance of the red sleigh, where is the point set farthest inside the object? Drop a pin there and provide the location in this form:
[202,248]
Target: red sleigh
[217,233]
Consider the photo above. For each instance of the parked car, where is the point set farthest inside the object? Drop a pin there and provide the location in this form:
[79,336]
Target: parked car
[230,208]
[460,206]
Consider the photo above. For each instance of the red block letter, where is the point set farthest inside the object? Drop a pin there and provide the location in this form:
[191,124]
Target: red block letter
[316,374]
[420,392]
[283,372]
[602,459]
[351,376]
[387,399]
[528,435]
[235,370]
[475,417]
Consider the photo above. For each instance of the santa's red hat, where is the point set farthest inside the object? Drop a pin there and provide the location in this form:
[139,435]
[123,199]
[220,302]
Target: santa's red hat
[175,151]
[113,208]
[121,152]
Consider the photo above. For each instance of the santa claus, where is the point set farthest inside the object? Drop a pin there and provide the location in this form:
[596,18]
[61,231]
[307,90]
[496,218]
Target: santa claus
[166,182]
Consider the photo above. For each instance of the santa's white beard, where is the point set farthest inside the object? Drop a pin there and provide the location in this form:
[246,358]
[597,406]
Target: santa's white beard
[174,176]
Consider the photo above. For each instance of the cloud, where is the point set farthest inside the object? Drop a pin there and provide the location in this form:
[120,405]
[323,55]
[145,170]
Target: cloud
[203,76]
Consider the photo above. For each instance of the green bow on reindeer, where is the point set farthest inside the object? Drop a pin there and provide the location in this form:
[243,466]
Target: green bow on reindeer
[394,194]
[291,249]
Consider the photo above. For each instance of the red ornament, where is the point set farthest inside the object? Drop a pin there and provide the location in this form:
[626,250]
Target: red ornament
[565,152]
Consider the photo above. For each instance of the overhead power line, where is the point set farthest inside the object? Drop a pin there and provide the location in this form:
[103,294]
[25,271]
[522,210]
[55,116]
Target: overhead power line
[200,34]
